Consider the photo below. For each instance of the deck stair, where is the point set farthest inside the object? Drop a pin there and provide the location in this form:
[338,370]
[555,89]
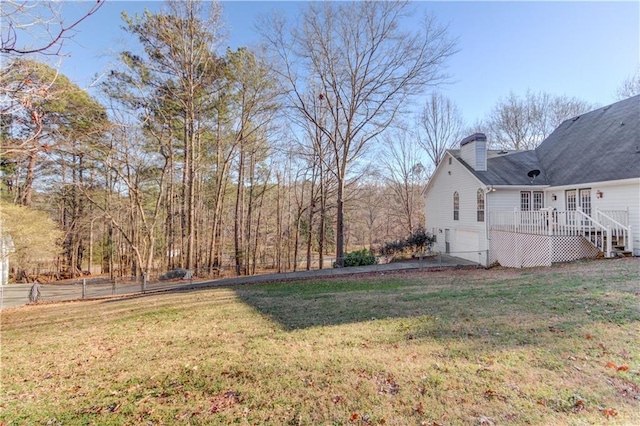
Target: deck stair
[620,232]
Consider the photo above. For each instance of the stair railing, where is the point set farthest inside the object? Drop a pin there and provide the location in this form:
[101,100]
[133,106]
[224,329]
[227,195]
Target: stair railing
[586,227]
[617,228]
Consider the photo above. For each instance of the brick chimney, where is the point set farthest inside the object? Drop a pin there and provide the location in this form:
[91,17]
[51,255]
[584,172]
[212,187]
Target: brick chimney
[473,151]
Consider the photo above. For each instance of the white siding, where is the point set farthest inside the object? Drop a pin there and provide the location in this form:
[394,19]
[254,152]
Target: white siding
[468,237]
[504,200]
[474,153]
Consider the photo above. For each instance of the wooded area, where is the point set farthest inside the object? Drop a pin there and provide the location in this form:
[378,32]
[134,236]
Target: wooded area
[281,157]
[194,159]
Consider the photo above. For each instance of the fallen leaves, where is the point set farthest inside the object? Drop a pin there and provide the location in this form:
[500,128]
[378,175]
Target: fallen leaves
[617,367]
[224,401]
[387,385]
[578,406]
[98,409]
[556,330]
[486,421]
[491,394]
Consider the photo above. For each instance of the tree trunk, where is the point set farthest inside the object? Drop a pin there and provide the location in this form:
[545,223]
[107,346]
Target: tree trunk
[340,225]
[28,182]
[237,223]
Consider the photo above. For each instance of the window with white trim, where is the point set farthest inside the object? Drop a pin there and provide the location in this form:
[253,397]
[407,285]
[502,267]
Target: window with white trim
[456,206]
[531,200]
[480,199]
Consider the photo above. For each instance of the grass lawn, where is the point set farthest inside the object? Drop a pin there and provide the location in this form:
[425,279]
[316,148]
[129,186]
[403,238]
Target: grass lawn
[543,346]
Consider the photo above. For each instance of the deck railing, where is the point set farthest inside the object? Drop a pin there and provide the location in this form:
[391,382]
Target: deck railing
[554,223]
[618,222]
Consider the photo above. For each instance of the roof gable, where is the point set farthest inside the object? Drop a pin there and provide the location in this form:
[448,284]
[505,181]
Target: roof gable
[442,164]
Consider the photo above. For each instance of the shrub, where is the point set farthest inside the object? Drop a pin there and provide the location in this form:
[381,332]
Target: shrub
[419,241]
[173,274]
[359,258]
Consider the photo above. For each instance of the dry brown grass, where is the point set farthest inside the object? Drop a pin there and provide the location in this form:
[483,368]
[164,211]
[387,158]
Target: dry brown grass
[507,347]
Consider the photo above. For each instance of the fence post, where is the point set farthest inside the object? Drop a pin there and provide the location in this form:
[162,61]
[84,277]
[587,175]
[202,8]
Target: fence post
[113,287]
[144,282]
[84,288]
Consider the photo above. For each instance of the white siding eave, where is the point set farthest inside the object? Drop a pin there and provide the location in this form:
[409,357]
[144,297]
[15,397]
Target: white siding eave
[521,187]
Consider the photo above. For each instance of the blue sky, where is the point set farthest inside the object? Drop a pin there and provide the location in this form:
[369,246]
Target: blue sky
[581,49]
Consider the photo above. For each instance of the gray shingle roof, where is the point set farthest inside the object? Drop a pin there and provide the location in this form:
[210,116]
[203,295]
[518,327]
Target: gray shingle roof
[601,145]
[508,169]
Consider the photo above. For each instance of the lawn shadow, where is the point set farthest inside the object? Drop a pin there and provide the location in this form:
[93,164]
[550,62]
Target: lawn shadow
[504,307]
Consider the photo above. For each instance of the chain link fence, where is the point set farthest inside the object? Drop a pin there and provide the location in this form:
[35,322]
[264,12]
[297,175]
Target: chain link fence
[99,287]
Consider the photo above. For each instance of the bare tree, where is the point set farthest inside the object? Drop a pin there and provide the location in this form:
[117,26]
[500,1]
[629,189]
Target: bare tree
[364,67]
[630,86]
[439,127]
[522,122]
[39,22]
[405,175]
[253,103]
[181,64]
[142,175]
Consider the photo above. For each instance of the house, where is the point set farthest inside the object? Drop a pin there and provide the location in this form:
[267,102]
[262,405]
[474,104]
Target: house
[576,195]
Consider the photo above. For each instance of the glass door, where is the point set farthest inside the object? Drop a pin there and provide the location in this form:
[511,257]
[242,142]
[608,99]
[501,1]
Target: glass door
[571,205]
[585,204]
[585,201]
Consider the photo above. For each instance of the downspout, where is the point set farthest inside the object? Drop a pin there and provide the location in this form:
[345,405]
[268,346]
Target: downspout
[487,216]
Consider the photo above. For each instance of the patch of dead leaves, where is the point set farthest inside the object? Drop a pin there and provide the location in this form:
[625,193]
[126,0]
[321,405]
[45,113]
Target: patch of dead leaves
[387,385]
[491,394]
[224,401]
[617,367]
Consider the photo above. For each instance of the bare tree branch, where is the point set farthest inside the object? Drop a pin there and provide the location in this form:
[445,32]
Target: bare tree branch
[439,127]
[356,59]
[42,22]
[522,122]
[630,86]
